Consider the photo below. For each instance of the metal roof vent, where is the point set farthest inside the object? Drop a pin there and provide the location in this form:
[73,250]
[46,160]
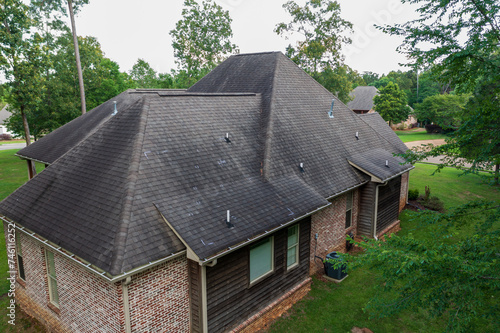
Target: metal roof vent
[301,167]
[228,220]
[330,113]
[357,136]
[227,138]
[386,163]
[115,111]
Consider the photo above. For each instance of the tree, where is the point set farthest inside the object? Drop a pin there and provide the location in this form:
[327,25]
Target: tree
[391,104]
[370,77]
[201,39]
[443,110]
[143,75]
[453,273]
[57,6]
[465,39]
[322,28]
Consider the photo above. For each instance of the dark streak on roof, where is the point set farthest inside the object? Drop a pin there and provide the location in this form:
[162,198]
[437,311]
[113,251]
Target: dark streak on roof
[102,195]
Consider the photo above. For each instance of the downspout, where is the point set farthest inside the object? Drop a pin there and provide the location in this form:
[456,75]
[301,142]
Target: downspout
[204,303]
[126,306]
[376,209]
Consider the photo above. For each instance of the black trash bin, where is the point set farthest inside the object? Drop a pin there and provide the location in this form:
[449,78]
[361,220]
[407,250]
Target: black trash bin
[335,273]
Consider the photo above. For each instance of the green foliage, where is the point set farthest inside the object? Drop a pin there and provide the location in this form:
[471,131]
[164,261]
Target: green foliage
[391,104]
[443,110]
[201,39]
[452,275]
[370,77]
[413,194]
[319,52]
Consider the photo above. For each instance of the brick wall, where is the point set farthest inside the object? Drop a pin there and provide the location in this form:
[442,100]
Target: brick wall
[329,224]
[403,195]
[159,298]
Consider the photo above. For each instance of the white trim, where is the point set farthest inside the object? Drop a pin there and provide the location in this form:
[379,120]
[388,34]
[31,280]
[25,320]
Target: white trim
[48,266]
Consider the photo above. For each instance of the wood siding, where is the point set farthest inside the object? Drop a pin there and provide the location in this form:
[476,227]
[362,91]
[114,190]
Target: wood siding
[231,299]
[194,272]
[388,203]
[366,209]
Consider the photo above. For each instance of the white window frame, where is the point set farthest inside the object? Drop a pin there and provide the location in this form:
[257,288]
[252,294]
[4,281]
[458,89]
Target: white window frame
[20,259]
[271,270]
[295,245]
[348,210]
[51,279]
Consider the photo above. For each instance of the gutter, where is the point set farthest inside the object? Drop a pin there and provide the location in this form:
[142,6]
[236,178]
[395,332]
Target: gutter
[31,159]
[126,304]
[88,266]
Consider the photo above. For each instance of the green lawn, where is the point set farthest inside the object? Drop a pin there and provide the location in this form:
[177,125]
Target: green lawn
[334,307]
[417,134]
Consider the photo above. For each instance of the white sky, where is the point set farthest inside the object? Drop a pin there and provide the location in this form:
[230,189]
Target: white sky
[128,30]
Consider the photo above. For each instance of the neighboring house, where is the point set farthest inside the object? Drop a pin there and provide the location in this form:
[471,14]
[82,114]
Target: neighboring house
[362,99]
[4,114]
[200,210]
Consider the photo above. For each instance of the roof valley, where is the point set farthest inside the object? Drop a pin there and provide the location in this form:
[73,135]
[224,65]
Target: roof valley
[122,232]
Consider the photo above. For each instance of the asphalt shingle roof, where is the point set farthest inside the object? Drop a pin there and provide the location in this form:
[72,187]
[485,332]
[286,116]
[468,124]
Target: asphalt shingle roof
[362,98]
[165,153]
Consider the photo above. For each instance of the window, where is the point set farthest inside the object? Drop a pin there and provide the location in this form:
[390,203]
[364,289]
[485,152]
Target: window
[261,259]
[292,253]
[51,277]
[20,264]
[348,210]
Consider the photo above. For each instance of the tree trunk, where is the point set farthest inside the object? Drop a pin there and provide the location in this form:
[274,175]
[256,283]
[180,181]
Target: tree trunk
[497,167]
[31,165]
[77,56]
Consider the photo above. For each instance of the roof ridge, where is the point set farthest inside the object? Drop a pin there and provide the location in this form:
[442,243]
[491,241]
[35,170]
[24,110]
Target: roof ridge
[130,183]
[268,124]
[373,129]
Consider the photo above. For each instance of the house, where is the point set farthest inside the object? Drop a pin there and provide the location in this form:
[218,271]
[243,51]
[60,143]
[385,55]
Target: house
[362,99]
[201,210]
[4,114]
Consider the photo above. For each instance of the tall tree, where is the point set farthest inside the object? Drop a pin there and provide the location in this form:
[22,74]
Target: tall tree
[322,28]
[465,39]
[319,51]
[391,104]
[201,39]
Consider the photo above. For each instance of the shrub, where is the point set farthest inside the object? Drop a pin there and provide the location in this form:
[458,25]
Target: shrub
[434,203]
[433,129]
[413,194]
[5,136]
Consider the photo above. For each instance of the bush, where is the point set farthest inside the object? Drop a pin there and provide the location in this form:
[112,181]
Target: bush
[433,129]
[5,136]
[413,194]
[434,203]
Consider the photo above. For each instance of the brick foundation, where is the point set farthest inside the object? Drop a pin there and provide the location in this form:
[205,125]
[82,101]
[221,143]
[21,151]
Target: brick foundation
[393,228]
[329,224]
[264,318]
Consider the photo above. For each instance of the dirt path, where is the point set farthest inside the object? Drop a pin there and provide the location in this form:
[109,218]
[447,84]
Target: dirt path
[437,142]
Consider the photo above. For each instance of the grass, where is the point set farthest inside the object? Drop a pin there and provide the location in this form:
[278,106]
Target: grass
[417,134]
[450,186]
[331,307]
[13,173]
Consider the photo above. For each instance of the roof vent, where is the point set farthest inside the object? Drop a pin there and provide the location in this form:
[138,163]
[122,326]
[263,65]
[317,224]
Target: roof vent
[386,163]
[115,111]
[330,113]
[227,138]
[228,220]
[357,136]
[301,167]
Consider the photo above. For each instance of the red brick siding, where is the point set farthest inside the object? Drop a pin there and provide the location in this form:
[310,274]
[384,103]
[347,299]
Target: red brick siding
[329,224]
[159,298]
[403,195]
[87,303]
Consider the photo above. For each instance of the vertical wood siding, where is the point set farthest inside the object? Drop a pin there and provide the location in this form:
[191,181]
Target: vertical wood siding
[388,203]
[366,209]
[194,271]
[231,299]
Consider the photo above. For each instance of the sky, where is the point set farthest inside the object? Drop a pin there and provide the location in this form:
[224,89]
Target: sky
[128,30]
